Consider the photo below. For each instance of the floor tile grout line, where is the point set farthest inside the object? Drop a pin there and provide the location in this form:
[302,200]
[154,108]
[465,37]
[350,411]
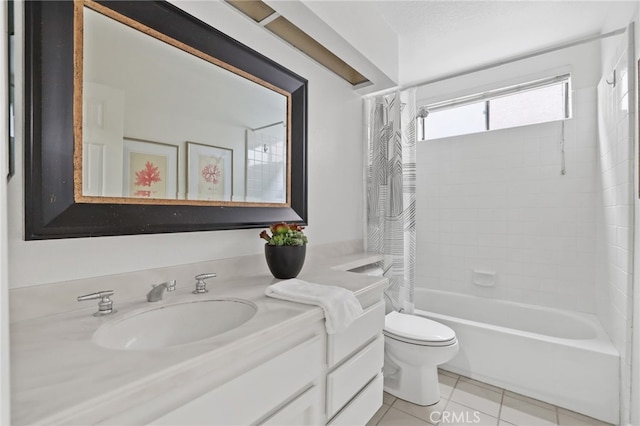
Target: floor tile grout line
[412,415]
[453,388]
[384,414]
[474,409]
[501,392]
[500,409]
[455,385]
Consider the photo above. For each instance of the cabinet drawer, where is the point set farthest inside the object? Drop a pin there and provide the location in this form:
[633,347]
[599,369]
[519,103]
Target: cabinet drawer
[302,411]
[362,330]
[362,408]
[347,380]
[250,396]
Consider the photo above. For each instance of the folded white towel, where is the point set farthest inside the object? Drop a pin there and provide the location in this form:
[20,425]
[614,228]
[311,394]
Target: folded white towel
[340,305]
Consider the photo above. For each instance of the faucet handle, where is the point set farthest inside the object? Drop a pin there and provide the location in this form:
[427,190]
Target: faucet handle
[105,305]
[171,285]
[201,285]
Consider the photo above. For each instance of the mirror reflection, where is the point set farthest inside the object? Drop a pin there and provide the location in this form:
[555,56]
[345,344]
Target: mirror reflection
[159,122]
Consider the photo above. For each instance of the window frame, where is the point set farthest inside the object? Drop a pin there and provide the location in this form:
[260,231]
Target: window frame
[488,96]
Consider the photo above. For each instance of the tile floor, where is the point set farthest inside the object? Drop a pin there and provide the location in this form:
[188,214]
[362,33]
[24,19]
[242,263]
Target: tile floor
[466,401]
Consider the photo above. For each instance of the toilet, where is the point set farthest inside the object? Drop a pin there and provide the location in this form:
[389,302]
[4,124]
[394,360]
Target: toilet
[413,348]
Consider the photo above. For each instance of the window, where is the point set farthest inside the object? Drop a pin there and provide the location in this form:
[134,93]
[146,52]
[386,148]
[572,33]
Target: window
[538,101]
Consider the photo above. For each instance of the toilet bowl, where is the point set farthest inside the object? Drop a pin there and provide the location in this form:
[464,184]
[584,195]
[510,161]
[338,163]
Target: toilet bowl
[413,348]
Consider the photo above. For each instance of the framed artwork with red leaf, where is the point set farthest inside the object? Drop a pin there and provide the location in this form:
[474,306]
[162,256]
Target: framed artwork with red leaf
[150,169]
[209,172]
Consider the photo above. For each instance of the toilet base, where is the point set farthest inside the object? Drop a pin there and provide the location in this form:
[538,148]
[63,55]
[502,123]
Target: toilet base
[419,385]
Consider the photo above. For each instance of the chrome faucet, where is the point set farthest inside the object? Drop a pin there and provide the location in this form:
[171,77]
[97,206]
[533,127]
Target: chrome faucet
[158,289]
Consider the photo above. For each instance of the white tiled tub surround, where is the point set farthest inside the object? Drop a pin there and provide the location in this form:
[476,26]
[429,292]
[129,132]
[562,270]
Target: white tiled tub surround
[465,401]
[616,115]
[496,201]
[564,358]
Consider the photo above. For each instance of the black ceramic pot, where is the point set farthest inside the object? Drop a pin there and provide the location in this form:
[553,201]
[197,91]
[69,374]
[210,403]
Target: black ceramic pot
[285,261]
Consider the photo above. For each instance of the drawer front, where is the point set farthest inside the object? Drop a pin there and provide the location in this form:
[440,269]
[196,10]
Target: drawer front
[250,396]
[363,407]
[348,379]
[362,330]
[302,411]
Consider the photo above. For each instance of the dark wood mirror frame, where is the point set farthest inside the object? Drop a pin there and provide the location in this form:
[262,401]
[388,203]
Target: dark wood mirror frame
[50,207]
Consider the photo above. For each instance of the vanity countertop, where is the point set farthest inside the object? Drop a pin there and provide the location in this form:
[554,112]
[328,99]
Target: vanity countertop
[59,374]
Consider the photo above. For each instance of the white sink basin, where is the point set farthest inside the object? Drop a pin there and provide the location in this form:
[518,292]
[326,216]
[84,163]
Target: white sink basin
[173,325]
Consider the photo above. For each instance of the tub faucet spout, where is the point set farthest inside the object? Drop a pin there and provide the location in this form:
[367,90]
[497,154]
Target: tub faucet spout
[156,292]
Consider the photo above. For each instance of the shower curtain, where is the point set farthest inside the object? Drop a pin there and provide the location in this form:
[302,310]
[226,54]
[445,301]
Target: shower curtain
[391,160]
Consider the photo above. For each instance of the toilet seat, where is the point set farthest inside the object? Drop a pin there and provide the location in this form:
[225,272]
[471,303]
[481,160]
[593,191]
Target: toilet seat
[417,330]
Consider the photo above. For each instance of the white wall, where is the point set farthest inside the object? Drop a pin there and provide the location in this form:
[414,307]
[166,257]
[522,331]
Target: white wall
[627,319]
[372,37]
[635,350]
[496,200]
[370,47]
[632,361]
[335,182]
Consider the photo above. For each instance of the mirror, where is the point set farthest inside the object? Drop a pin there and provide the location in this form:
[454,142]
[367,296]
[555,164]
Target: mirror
[145,100]
[143,119]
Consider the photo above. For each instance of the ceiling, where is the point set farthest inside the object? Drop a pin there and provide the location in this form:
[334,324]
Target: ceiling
[441,38]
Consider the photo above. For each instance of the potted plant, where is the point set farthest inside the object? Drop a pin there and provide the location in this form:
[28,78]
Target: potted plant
[285,249]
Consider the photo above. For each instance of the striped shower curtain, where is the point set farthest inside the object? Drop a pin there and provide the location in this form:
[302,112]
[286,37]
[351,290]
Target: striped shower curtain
[391,202]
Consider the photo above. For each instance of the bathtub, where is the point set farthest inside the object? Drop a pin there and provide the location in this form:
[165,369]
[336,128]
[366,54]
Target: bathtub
[561,357]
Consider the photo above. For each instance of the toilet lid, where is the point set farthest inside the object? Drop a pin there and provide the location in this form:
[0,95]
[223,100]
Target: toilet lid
[417,329]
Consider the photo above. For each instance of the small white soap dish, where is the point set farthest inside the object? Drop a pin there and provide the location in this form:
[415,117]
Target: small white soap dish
[484,278]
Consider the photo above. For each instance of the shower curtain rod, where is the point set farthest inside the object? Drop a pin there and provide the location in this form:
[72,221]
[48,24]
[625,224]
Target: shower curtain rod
[583,40]
[546,50]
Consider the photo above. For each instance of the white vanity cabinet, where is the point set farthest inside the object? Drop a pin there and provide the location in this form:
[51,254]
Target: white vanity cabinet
[323,379]
[354,376]
[283,390]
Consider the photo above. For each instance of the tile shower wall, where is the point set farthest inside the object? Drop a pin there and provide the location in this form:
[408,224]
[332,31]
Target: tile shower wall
[496,201]
[615,213]
[265,166]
